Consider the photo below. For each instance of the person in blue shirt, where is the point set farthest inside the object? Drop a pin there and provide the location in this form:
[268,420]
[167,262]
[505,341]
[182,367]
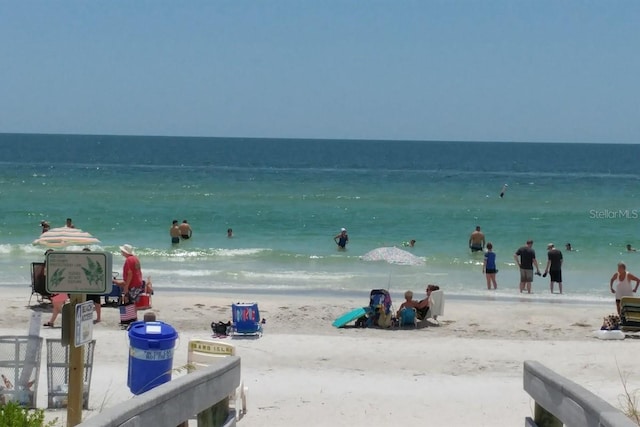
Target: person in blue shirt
[489,267]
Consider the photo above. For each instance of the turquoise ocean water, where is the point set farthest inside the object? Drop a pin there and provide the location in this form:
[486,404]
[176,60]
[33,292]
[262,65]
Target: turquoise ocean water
[286,199]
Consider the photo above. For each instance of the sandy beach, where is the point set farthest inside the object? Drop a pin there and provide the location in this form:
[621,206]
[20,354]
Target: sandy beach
[467,371]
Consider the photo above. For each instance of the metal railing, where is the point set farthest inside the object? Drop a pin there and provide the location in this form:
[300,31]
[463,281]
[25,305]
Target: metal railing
[559,401]
[204,393]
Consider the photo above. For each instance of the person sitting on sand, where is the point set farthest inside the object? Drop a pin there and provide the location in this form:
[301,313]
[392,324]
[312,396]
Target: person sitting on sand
[408,303]
[422,306]
[148,286]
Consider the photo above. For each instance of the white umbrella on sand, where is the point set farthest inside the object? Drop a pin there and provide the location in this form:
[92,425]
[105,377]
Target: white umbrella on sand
[392,255]
[65,236]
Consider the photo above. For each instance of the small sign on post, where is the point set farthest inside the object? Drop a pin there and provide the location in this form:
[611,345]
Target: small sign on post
[84,323]
[78,273]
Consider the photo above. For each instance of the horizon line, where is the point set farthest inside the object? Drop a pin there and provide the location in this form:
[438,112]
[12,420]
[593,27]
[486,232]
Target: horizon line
[321,139]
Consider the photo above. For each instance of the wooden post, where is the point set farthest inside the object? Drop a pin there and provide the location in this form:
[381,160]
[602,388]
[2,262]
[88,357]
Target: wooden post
[544,418]
[76,370]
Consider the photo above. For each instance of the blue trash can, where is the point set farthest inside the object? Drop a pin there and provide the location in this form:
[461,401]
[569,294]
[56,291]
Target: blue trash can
[150,355]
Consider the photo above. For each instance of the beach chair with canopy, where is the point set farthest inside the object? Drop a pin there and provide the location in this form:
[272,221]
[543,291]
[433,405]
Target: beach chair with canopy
[39,283]
[379,312]
[245,320]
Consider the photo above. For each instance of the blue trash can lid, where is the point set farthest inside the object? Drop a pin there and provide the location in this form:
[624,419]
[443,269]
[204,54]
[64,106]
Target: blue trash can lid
[152,330]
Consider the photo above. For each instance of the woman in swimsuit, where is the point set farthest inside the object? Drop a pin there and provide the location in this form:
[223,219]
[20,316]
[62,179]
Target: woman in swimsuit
[342,239]
[623,285]
[422,307]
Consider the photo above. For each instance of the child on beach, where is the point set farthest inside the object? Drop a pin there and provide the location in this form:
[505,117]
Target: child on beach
[489,267]
[623,285]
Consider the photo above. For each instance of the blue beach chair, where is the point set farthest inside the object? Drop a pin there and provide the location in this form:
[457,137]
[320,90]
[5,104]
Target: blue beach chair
[113,298]
[245,320]
[407,317]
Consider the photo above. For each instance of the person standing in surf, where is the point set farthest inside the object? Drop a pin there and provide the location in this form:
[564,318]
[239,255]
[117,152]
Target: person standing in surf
[185,230]
[489,267]
[342,239]
[476,240]
[525,257]
[554,267]
[174,232]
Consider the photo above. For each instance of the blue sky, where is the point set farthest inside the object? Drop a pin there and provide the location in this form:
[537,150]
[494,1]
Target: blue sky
[539,71]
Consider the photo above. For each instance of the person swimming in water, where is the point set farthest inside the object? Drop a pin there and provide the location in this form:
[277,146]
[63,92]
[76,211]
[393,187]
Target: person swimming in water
[342,239]
[504,190]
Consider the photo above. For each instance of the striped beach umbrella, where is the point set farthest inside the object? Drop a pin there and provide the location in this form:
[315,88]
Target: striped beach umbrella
[65,236]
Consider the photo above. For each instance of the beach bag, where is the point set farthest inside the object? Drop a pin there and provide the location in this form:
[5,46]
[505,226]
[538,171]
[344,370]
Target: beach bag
[384,319]
[128,313]
[361,322]
[611,323]
[220,328]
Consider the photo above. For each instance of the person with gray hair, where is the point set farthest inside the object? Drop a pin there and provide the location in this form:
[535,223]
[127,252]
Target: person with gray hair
[408,302]
[623,280]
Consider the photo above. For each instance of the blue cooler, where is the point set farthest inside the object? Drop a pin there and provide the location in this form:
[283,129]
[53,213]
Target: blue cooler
[150,355]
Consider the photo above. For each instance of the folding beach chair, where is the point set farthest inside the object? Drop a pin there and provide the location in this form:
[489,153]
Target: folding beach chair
[630,314]
[245,320]
[436,308]
[39,283]
[113,297]
[204,353]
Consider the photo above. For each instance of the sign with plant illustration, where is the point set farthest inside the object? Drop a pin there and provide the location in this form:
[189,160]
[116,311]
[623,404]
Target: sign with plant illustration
[78,272]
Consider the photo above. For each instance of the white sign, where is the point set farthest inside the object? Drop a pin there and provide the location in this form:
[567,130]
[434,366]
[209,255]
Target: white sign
[84,323]
[79,272]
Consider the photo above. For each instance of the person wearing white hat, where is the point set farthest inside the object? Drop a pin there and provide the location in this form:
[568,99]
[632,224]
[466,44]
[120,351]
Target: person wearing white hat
[342,239]
[131,284]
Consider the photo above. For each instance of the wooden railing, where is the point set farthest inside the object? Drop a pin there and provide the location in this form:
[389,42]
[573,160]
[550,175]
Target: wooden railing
[204,392]
[559,401]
